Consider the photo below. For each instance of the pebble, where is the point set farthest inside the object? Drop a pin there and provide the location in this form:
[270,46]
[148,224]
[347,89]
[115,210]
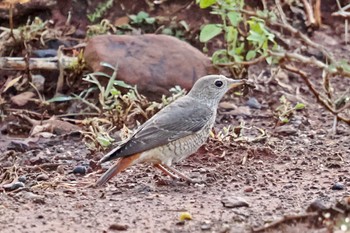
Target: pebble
[248,189]
[42,177]
[118,227]
[33,197]
[81,170]
[234,202]
[338,186]
[22,179]
[253,103]
[13,186]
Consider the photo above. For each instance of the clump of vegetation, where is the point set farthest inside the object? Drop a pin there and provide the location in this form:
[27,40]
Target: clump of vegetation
[116,108]
[286,110]
[245,40]
[100,10]
[250,38]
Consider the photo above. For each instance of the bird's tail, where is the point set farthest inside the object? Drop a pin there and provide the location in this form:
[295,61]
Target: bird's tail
[119,166]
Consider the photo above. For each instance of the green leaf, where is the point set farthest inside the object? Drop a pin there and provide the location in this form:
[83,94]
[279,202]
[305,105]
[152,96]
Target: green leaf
[254,36]
[250,55]
[231,35]
[283,119]
[299,106]
[220,56]
[115,92]
[209,31]
[150,20]
[235,18]
[133,18]
[122,84]
[167,31]
[60,99]
[142,15]
[206,3]
[269,60]
[185,25]
[105,64]
[103,141]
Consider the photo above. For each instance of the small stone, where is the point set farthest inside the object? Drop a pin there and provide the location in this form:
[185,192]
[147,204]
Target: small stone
[80,170]
[248,189]
[22,179]
[60,169]
[338,186]
[180,223]
[18,145]
[253,103]
[33,197]
[13,186]
[206,226]
[234,202]
[118,227]
[38,81]
[42,177]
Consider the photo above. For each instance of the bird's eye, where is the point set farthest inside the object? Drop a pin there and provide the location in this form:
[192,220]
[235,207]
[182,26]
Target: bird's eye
[219,83]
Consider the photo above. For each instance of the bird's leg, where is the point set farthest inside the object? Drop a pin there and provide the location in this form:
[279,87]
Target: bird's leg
[178,173]
[166,171]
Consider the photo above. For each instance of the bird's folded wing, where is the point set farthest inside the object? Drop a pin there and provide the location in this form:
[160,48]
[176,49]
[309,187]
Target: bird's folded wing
[180,119]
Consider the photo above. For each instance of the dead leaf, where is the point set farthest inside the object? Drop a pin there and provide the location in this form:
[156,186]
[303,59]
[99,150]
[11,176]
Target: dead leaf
[10,83]
[22,99]
[121,21]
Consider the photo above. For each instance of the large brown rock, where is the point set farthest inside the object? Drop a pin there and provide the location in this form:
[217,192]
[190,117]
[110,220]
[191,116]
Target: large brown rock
[155,63]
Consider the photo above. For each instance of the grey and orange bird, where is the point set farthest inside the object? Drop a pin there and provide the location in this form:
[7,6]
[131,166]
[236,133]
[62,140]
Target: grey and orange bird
[175,132]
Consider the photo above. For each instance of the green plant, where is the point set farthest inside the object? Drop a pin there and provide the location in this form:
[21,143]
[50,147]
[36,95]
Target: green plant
[141,18]
[101,9]
[102,28]
[245,40]
[286,110]
[176,29]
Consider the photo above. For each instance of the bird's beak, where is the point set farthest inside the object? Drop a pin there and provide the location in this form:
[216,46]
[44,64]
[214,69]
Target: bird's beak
[235,83]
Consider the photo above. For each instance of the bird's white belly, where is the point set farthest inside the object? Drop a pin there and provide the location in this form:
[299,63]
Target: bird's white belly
[174,151]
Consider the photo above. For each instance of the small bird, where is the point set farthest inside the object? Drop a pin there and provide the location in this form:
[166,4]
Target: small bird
[175,132]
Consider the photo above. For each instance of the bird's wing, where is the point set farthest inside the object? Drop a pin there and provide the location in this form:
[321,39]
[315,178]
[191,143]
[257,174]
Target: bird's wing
[183,117]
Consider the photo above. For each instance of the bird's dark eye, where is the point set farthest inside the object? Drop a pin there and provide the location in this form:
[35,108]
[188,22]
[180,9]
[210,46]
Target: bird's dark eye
[218,83]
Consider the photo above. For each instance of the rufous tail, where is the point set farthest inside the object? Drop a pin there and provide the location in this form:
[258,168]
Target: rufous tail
[119,166]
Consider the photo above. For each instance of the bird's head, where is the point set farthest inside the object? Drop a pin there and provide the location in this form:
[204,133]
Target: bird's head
[211,88]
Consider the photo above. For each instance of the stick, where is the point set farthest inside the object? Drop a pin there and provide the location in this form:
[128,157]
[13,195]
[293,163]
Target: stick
[19,63]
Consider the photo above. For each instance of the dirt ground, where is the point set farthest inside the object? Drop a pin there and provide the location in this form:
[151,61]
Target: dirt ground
[296,164]
[281,175]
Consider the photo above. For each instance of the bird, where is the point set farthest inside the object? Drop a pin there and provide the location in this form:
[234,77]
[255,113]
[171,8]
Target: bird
[174,133]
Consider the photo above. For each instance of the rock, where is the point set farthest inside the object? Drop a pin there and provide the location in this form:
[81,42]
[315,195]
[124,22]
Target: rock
[206,226]
[155,63]
[33,197]
[118,227]
[22,179]
[234,202]
[18,145]
[286,130]
[248,189]
[80,170]
[253,103]
[42,177]
[338,186]
[38,81]
[13,186]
